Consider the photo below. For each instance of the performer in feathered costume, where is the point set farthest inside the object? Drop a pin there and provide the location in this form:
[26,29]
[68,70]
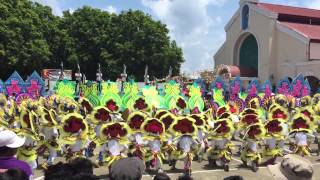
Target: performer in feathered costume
[114,136]
[203,127]
[3,112]
[301,134]
[316,108]
[73,133]
[29,130]
[154,134]
[277,111]
[49,130]
[98,117]
[135,121]
[276,133]
[186,133]
[86,107]
[167,118]
[68,106]
[220,145]
[250,154]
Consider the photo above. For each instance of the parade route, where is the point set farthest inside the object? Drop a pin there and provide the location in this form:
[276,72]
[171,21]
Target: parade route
[201,171]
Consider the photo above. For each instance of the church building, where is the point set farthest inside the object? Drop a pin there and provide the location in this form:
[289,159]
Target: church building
[270,41]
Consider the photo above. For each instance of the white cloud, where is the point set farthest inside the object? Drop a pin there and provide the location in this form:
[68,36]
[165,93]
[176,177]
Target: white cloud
[191,26]
[54,4]
[111,9]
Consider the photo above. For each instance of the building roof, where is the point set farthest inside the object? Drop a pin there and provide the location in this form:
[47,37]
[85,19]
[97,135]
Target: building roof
[289,10]
[310,31]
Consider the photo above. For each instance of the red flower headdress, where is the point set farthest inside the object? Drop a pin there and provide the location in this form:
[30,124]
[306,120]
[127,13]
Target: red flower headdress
[74,124]
[141,105]
[181,103]
[115,130]
[255,131]
[48,117]
[112,105]
[249,119]
[184,126]
[275,128]
[221,110]
[135,120]
[278,112]
[167,120]
[301,122]
[248,111]
[153,128]
[223,127]
[86,104]
[101,114]
[161,113]
[200,121]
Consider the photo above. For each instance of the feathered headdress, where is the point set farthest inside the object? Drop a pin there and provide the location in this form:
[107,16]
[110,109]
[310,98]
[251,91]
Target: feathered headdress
[253,102]
[309,112]
[284,87]
[305,101]
[153,129]
[3,100]
[140,104]
[297,86]
[255,131]
[161,112]
[218,88]
[235,88]
[115,130]
[184,126]
[248,111]
[301,122]
[167,120]
[276,128]
[86,105]
[69,106]
[222,110]
[27,123]
[223,128]
[316,99]
[48,118]
[135,120]
[101,114]
[248,120]
[266,90]
[73,128]
[278,112]
[200,121]
[281,100]
[306,90]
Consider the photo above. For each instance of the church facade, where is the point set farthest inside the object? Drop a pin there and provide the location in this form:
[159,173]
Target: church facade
[269,41]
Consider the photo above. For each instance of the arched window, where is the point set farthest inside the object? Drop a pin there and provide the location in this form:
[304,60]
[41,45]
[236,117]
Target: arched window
[245,17]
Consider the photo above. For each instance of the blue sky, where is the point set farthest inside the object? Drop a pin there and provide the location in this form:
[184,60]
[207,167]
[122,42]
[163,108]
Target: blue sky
[196,25]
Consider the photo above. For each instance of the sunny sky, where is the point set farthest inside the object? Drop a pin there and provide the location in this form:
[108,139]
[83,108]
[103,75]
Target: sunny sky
[196,25]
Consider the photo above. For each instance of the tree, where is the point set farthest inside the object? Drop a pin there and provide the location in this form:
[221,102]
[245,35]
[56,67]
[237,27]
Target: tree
[32,38]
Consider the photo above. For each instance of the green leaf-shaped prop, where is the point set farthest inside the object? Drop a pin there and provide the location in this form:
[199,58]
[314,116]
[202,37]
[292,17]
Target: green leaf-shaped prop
[66,88]
[152,96]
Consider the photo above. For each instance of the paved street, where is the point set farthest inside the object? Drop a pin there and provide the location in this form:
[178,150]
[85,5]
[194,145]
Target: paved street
[202,172]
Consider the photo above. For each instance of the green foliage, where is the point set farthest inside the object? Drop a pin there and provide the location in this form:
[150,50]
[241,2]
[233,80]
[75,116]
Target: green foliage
[32,38]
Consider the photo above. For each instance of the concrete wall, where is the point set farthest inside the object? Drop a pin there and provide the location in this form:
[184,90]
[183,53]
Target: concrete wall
[262,27]
[282,52]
